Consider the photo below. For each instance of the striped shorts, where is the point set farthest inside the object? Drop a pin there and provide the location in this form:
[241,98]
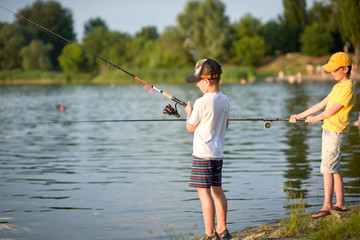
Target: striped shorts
[205,173]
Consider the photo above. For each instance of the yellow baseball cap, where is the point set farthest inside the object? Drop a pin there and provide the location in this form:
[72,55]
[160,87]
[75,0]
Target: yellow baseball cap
[337,60]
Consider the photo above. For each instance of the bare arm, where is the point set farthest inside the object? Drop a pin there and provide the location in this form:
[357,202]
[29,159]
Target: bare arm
[190,127]
[314,109]
[325,114]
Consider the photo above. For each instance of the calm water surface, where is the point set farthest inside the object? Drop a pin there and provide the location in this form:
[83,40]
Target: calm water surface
[130,180]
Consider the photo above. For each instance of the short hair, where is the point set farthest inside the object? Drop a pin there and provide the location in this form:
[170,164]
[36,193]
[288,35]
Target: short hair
[349,71]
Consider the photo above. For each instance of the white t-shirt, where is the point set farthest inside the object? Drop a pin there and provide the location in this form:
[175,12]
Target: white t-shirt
[210,114]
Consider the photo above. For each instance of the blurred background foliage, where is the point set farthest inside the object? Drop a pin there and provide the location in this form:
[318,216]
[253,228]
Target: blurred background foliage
[202,31]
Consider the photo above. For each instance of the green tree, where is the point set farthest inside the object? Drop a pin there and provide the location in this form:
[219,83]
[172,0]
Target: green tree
[205,27]
[248,26]
[249,50]
[150,55]
[145,49]
[295,21]
[323,13]
[11,41]
[273,37]
[174,52]
[350,21]
[74,60]
[92,23]
[248,47]
[148,33]
[110,45]
[52,16]
[36,56]
[316,40]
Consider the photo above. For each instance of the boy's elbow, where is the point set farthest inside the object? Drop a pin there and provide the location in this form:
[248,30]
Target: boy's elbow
[191,128]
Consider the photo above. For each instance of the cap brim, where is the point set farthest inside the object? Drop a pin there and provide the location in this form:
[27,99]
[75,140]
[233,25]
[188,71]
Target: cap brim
[192,79]
[330,67]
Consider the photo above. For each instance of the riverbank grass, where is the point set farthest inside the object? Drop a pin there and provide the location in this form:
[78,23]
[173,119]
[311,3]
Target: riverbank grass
[116,76]
[300,225]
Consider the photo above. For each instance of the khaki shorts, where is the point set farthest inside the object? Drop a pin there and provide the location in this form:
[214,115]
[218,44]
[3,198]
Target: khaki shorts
[332,144]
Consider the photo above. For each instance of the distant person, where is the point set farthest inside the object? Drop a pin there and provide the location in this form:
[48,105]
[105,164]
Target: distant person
[309,68]
[335,129]
[357,122]
[209,119]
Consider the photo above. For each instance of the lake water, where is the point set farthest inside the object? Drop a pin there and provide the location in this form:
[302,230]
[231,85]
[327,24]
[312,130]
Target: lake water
[130,180]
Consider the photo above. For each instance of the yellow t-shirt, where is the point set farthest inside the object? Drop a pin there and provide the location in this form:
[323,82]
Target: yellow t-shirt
[343,93]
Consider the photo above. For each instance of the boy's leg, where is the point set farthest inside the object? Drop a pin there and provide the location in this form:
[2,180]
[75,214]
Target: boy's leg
[328,190]
[328,194]
[208,209]
[332,144]
[221,207]
[339,190]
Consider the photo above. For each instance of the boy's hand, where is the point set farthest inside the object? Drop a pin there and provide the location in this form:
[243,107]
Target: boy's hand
[293,118]
[311,119]
[188,109]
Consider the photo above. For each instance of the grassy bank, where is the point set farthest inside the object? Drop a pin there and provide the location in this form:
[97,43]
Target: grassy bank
[19,76]
[289,64]
[339,225]
[116,76]
[300,225]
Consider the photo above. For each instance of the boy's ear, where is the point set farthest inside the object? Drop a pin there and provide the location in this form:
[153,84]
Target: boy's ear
[346,69]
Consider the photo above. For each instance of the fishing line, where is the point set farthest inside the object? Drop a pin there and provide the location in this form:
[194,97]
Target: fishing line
[98,121]
[267,121]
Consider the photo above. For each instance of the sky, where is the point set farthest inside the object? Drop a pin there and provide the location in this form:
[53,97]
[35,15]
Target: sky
[131,15]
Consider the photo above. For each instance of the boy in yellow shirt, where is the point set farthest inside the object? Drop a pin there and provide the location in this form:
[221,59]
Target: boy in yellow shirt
[335,129]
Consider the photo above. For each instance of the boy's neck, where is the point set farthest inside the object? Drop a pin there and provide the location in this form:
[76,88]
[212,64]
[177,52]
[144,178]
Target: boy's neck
[212,89]
[344,80]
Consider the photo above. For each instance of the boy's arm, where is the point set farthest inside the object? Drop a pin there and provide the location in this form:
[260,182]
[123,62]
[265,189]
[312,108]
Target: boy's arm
[325,114]
[190,127]
[314,109]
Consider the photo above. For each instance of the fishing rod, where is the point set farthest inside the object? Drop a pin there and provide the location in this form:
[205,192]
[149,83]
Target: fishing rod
[167,110]
[267,121]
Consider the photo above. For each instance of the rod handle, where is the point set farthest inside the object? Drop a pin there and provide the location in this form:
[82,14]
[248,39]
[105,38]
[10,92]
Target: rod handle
[174,98]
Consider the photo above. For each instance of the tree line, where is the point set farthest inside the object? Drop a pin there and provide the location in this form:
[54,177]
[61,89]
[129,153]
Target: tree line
[202,30]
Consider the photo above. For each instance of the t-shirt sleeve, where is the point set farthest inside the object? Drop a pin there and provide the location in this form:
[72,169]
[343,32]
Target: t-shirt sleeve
[345,96]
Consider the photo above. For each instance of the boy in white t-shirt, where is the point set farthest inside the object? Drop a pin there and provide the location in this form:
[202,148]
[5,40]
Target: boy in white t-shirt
[209,119]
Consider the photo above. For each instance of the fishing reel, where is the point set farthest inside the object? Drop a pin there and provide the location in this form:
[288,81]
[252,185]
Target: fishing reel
[171,111]
[267,125]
